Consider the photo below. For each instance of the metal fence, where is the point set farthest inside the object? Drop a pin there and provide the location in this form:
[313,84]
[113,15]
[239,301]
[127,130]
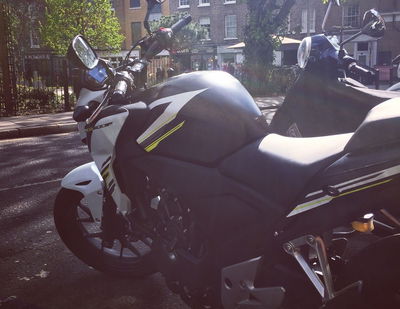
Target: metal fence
[30,84]
[157,70]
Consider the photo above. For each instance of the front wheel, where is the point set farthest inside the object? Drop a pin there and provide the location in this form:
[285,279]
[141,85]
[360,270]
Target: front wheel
[82,235]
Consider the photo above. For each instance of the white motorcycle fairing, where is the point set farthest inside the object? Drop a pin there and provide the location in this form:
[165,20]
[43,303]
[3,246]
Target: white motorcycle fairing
[87,180]
[86,96]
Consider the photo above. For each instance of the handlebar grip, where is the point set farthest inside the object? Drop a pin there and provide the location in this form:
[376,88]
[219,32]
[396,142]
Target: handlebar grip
[119,92]
[354,68]
[180,24]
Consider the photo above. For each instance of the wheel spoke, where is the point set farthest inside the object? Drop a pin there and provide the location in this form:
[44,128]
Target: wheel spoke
[84,220]
[85,209]
[133,249]
[94,235]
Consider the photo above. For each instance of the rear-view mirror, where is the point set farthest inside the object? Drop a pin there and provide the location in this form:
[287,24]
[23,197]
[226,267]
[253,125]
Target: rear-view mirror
[373,24]
[80,51]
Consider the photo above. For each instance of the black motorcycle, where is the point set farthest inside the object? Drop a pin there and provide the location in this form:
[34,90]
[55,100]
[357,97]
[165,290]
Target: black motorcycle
[187,181]
[326,98]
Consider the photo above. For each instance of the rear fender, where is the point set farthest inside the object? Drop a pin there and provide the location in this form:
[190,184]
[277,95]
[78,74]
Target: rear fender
[87,180]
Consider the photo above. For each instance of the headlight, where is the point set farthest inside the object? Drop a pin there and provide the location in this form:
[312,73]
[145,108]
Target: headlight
[303,53]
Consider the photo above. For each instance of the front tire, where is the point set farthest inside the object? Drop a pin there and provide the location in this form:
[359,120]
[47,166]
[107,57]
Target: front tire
[82,235]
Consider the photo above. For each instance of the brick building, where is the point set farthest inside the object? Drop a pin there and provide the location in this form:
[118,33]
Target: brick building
[131,14]
[307,15]
[225,21]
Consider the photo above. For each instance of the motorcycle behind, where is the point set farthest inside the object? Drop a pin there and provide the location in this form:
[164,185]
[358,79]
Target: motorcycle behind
[187,181]
[325,99]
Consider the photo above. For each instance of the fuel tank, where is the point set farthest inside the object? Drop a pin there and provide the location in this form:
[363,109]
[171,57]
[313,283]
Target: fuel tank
[199,117]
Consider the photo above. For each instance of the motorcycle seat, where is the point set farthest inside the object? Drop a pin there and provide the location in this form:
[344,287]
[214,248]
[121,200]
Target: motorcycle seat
[280,167]
[380,128]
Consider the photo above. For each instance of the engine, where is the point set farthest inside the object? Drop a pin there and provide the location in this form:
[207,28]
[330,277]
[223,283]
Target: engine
[182,253]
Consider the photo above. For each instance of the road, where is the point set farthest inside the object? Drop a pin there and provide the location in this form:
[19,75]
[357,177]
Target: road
[36,269]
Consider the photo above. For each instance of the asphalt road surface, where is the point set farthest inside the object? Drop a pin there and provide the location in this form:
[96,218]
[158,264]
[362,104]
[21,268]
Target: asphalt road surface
[36,270]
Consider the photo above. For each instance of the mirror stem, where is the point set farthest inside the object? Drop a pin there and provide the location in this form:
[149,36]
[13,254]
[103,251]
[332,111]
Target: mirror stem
[150,5]
[328,10]
[350,39]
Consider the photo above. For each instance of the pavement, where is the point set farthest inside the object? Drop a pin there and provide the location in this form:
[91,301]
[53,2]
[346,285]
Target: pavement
[44,124]
[35,125]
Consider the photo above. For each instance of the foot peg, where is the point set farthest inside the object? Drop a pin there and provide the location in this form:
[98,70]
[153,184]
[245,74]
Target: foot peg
[238,291]
[325,287]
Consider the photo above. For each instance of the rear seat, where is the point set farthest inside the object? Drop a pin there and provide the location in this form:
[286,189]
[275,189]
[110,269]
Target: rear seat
[381,127]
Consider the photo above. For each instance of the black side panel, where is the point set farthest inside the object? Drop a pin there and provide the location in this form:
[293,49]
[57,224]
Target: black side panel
[204,189]
[126,148]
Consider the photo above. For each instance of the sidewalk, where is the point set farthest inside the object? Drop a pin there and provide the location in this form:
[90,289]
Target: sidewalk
[35,125]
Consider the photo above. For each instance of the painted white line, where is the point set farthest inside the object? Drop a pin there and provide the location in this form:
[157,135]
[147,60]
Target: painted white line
[30,185]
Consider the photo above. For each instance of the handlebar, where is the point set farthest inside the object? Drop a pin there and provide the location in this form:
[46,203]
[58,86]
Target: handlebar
[356,69]
[161,40]
[123,82]
[180,24]
[163,37]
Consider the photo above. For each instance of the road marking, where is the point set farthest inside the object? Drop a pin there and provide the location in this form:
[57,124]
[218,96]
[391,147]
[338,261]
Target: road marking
[30,184]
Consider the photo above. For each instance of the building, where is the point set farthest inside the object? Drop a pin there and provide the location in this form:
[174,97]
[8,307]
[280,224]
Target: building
[131,14]
[225,21]
[306,18]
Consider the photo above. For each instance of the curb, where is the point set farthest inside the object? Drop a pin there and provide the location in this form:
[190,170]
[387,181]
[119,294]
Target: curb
[37,131]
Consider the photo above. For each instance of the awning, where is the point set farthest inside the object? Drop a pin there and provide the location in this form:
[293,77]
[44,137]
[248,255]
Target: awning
[285,41]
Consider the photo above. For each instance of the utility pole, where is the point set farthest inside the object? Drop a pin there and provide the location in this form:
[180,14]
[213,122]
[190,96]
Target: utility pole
[4,60]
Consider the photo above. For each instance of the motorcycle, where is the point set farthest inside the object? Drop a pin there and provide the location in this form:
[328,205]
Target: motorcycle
[325,99]
[187,181]
[396,87]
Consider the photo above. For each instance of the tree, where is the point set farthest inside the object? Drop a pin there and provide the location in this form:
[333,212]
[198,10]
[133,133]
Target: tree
[189,36]
[94,19]
[266,20]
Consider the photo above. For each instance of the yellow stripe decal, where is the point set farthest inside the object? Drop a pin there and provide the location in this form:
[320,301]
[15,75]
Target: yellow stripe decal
[366,187]
[157,141]
[142,139]
[326,200]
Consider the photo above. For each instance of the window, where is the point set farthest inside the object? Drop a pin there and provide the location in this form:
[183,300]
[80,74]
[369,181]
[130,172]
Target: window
[351,16]
[305,21]
[183,4]
[136,28]
[204,2]
[362,46]
[205,23]
[230,27]
[229,1]
[384,58]
[34,36]
[156,8]
[134,4]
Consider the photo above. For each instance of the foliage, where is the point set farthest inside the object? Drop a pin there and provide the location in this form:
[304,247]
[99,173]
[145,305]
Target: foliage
[187,37]
[94,19]
[266,19]
[280,80]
